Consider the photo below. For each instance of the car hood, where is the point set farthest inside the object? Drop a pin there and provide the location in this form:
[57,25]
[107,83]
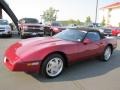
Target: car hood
[28,46]
[38,41]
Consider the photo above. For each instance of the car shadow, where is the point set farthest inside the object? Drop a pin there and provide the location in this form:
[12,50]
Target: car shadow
[83,70]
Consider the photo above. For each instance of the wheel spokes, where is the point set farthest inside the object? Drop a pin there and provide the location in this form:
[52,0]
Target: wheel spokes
[107,53]
[54,66]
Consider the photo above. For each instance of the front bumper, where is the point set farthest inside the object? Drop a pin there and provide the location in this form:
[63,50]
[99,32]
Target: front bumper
[107,34]
[32,33]
[5,33]
[21,66]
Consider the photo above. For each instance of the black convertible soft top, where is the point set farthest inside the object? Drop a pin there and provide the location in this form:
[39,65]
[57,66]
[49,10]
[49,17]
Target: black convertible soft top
[88,29]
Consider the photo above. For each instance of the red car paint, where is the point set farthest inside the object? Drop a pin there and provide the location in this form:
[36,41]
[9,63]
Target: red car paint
[56,29]
[27,55]
[115,31]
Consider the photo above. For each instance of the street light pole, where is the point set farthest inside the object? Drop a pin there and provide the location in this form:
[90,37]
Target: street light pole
[41,16]
[96,12]
[56,11]
[0,12]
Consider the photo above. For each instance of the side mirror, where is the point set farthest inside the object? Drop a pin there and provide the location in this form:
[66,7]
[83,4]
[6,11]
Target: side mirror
[87,41]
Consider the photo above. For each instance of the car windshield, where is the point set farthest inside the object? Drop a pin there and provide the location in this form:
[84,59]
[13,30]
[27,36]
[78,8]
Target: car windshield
[55,24]
[3,22]
[30,20]
[71,35]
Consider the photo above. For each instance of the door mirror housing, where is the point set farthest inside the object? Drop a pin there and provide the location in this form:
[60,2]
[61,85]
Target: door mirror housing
[87,41]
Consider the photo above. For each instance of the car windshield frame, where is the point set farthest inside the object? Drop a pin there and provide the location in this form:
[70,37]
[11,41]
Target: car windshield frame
[71,35]
[4,22]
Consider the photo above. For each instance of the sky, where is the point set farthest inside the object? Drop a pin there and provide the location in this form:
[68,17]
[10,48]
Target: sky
[68,9]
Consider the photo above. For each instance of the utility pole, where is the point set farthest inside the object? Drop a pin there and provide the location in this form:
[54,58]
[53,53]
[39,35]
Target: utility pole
[56,11]
[96,12]
[0,13]
[41,17]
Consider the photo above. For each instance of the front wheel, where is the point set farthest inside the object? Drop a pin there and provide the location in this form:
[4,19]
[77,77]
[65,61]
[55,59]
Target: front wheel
[107,54]
[53,65]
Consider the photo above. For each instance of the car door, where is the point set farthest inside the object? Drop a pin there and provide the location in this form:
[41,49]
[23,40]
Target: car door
[90,49]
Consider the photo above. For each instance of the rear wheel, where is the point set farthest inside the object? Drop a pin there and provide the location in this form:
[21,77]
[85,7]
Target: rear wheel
[107,54]
[53,66]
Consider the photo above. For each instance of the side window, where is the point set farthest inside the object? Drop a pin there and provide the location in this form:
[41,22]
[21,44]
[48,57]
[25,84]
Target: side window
[94,36]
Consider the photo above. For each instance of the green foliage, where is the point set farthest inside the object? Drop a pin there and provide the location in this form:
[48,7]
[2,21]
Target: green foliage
[103,22]
[119,24]
[50,15]
[88,20]
[78,22]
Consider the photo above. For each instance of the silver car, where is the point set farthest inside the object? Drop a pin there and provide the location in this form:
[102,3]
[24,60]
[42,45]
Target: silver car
[5,29]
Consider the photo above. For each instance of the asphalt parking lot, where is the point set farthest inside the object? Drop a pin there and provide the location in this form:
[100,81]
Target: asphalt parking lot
[88,75]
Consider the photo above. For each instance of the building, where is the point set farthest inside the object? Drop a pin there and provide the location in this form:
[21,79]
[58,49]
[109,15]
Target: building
[111,14]
[0,13]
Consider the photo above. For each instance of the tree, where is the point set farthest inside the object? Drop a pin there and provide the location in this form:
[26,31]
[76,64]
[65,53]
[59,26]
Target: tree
[88,20]
[103,22]
[78,22]
[119,24]
[50,15]
[71,21]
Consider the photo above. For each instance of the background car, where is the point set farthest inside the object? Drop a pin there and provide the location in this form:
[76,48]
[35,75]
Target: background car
[116,31]
[50,55]
[94,25]
[106,31]
[5,29]
[30,27]
[53,28]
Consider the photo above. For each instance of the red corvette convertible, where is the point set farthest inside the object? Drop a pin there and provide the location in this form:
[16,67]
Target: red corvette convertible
[49,55]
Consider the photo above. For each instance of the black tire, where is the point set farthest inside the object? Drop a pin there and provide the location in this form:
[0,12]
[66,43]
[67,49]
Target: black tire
[47,62]
[10,35]
[18,33]
[41,35]
[104,57]
[22,36]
